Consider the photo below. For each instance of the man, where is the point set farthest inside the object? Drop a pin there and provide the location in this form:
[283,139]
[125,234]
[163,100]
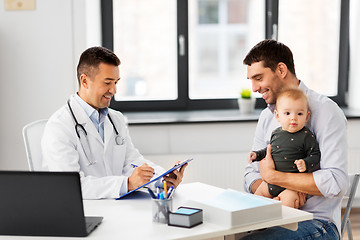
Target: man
[88,137]
[270,67]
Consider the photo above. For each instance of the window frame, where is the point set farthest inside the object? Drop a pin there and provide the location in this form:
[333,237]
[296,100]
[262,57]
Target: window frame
[183,102]
[272,16]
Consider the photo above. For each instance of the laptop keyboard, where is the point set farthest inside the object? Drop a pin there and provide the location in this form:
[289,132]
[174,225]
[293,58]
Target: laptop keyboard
[92,222]
[89,224]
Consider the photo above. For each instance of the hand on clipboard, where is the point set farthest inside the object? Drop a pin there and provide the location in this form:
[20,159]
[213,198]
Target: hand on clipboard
[167,175]
[174,178]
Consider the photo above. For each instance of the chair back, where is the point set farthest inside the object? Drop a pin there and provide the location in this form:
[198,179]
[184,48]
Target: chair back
[32,134]
[345,224]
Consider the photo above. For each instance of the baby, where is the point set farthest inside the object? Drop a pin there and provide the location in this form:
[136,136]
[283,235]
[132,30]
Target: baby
[293,146]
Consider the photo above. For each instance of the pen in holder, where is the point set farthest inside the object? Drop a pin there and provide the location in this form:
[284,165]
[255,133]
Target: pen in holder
[161,209]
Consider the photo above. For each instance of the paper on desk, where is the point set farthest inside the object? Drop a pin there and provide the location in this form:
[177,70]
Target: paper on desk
[233,208]
[232,200]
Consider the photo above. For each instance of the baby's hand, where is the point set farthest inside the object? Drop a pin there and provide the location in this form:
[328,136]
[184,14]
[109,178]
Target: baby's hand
[252,157]
[300,164]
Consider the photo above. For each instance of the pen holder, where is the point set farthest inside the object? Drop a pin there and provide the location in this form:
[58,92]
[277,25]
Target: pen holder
[161,209]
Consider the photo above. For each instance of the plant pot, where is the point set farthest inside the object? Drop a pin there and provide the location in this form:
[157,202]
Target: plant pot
[246,105]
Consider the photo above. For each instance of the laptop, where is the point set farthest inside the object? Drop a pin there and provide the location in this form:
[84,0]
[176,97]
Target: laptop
[43,204]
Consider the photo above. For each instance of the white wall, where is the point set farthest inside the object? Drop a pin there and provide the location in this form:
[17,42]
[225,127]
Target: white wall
[36,70]
[219,149]
[39,51]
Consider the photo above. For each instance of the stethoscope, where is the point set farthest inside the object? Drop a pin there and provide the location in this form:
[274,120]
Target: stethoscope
[80,131]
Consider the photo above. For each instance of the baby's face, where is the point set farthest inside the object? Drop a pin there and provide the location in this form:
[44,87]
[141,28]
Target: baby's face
[292,114]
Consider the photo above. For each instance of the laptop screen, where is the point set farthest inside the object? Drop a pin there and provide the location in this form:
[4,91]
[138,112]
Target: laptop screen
[41,204]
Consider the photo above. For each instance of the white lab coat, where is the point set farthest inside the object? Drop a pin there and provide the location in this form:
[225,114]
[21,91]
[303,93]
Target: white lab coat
[62,151]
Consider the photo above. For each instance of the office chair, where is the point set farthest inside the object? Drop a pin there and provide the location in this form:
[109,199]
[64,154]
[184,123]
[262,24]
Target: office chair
[354,180]
[32,134]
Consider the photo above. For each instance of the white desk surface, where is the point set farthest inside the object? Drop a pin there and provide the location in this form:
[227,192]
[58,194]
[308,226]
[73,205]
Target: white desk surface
[131,218]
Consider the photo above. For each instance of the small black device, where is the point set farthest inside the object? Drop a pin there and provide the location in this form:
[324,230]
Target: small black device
[186,217]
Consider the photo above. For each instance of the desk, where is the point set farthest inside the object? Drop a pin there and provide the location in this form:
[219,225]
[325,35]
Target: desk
[131,218]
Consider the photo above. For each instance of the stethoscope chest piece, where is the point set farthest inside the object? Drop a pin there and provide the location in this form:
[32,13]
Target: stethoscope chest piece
[119,140]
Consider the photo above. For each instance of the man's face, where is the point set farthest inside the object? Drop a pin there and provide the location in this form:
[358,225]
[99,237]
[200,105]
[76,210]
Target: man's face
[264,81]
[100,88]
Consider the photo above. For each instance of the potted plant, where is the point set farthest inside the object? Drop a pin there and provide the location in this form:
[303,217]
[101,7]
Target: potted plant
[246,102]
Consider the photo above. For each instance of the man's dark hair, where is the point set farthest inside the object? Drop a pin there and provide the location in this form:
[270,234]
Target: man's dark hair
[272,53]
[91,58]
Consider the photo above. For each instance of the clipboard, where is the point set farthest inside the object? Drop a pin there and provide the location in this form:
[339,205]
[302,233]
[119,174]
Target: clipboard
[179,165]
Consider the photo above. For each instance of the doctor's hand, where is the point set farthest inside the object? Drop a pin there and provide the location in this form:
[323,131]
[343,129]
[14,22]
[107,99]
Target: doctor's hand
[175,178]
[267,166]
[140,176]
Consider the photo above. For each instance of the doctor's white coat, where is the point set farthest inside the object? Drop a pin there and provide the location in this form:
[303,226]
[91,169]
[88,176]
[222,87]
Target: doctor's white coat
[62,151]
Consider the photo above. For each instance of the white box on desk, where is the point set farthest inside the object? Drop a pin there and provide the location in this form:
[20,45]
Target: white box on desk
[233,208]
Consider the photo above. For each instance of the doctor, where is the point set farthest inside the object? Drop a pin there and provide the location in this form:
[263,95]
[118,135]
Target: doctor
[86,136]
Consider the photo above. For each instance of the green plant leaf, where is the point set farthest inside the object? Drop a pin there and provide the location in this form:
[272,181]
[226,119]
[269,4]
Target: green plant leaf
[245,93]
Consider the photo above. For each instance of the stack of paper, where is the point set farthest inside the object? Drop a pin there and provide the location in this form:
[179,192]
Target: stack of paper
[233,208]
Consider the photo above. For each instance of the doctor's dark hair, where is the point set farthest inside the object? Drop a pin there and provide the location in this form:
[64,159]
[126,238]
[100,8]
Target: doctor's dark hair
[91,58]
[271,52]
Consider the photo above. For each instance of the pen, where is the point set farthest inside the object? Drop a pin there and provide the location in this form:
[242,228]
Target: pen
[135,166]
[165,189]
[161,196]
[158,192]
[172,193]
[151,193]
[171,189]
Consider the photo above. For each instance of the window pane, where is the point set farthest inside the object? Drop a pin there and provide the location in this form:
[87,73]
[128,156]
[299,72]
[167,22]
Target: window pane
[208,11]
[219,42]
[240,15]
[145,40]
[311,30]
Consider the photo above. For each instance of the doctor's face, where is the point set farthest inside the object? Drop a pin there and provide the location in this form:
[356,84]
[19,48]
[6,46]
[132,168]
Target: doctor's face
[264,81]
[100,88]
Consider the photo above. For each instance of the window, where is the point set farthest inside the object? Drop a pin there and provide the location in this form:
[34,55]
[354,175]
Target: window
[146,44]
[185,55]
[317,32]
[218,31]
[319,23]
